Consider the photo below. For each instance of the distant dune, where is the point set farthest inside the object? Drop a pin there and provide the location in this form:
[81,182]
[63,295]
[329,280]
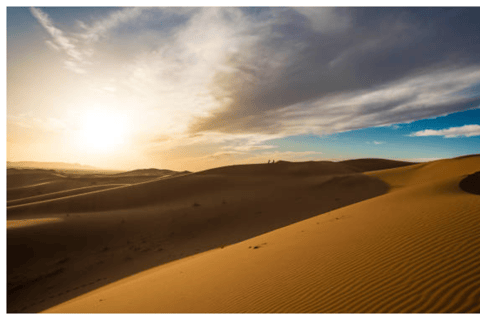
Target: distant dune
[284,237]
[26,185]
[48,165]
[150,172]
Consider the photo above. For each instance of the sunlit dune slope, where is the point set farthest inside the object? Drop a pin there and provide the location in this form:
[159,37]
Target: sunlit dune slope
[414,249]
[130,229]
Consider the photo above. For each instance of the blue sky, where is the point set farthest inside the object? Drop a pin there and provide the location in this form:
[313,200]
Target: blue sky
[195,88]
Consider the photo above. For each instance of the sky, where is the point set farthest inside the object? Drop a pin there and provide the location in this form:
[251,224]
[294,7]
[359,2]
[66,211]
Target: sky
[192,88]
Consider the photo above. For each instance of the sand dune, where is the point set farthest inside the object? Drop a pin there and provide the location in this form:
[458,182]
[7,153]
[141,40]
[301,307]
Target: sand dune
[150,172]
[17,178]
[363,165]
[106,235]
[60,194]
[28,183]
[414,249]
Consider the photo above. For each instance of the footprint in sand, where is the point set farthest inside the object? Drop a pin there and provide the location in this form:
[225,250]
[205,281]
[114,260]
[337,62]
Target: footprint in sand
[258,247]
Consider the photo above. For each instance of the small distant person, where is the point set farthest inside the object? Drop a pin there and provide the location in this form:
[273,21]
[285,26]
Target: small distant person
[268,161]
[273,161]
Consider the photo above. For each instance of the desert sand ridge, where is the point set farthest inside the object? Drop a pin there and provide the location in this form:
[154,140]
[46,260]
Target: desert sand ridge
[60,194]
[88,200]
[374,164]
[131,229]
[26,177]
[25,183]
[414,249]
[149,172]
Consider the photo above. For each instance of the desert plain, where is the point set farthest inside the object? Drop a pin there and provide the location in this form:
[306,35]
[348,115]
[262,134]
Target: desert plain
[356,236]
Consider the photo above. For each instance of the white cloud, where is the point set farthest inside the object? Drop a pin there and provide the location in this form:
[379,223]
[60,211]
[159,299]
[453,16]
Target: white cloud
[250,147]
[471,130]
[100,28]
[47,124]
[52,45]
[420,159]
[378,142]
[74,66]
[60,41]
[406,100]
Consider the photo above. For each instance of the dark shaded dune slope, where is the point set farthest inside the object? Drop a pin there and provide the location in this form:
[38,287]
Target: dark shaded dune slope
[149,172]
[138,195]
[60,194]
[26,183]
[17,178]
[471,183]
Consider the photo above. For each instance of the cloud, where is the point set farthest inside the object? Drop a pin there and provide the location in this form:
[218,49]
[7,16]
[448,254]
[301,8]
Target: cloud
[324,19]
[101,27]
[73,66]
[435,93]
[221,155]
[291,80]
[378,142]
[60,41]
[273,72]
[420,159]
[471,130]
[47,124]
[250,147]
[78,45]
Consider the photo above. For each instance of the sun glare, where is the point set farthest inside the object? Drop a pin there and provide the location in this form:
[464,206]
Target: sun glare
[102,130]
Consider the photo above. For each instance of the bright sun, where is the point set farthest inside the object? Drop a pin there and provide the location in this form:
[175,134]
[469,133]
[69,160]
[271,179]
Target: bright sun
[102,130]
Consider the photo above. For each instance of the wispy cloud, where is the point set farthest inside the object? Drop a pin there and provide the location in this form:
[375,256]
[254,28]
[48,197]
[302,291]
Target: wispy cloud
[60,41]
[471,130]
[324,19]
[250,147]
[101,27]
[47,124]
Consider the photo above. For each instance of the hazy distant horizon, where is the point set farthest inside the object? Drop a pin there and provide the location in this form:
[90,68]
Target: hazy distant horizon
[194,88]
[60,165]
